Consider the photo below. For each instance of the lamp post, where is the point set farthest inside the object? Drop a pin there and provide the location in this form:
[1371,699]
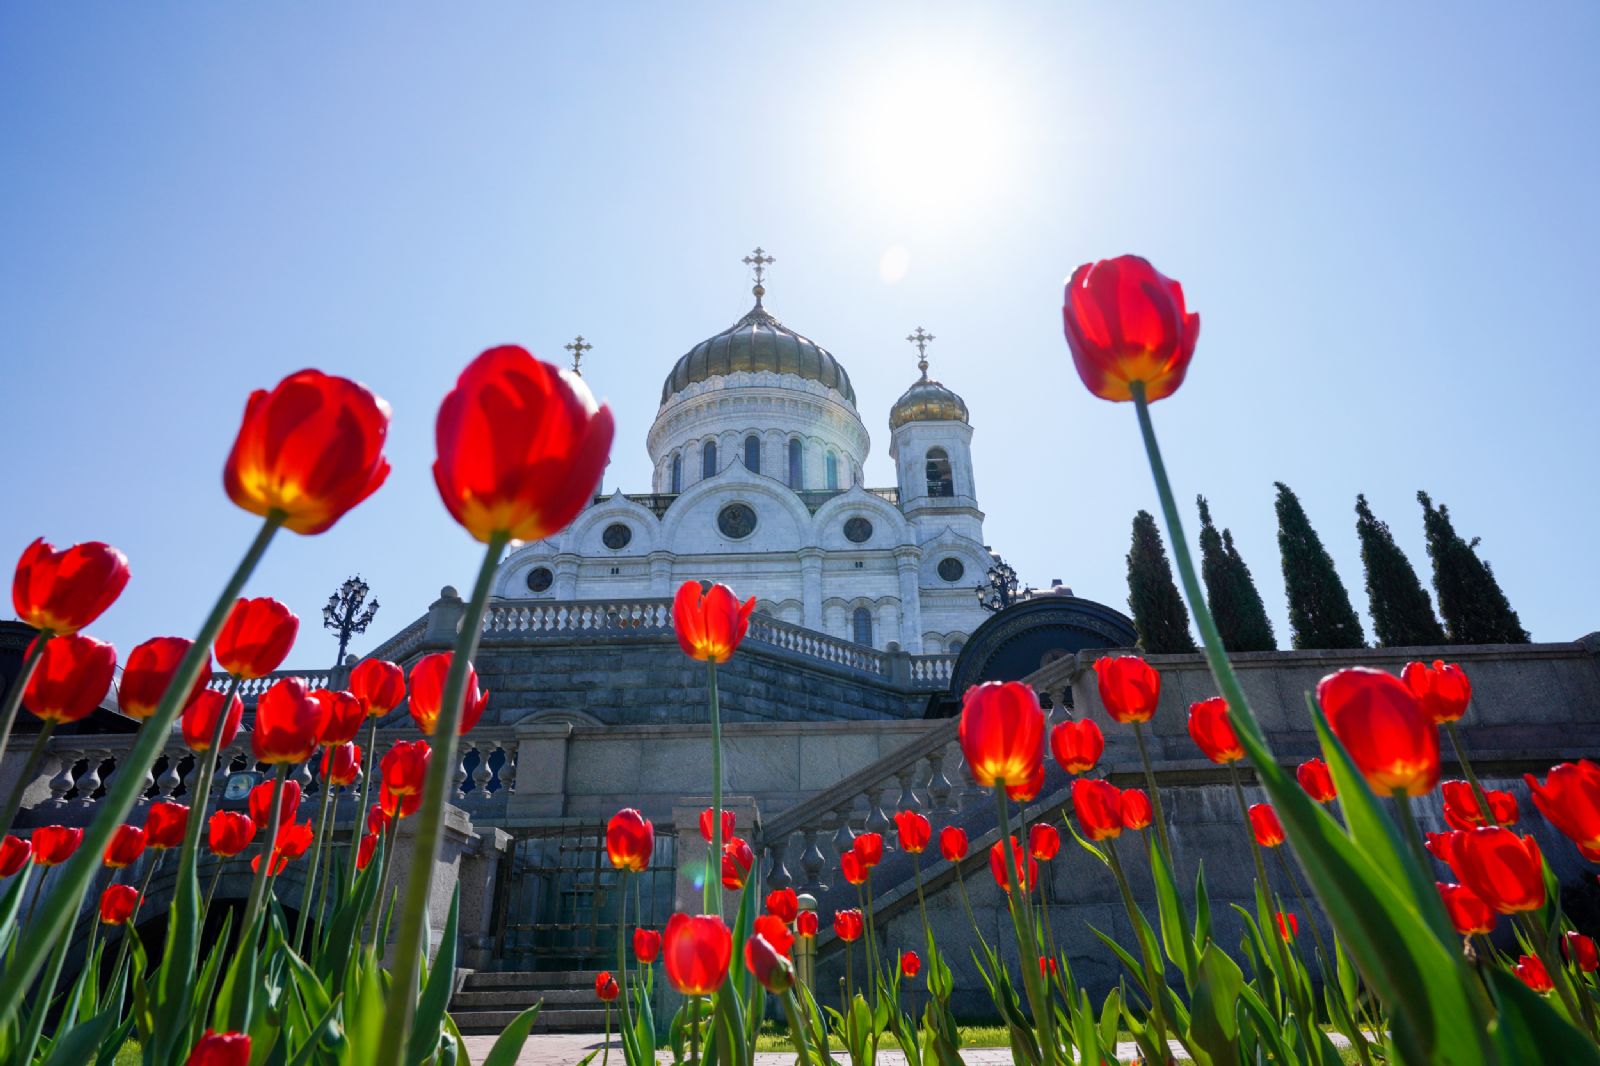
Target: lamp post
[1000,589]
[346,615]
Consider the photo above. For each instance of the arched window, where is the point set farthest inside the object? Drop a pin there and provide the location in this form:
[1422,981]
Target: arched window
[940,480]
[677,473]
[796,465]
[708,460]
[752,454]
[861,626]
[833,471]
[956,646]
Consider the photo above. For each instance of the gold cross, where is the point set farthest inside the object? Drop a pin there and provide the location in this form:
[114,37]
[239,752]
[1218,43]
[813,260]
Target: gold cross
[921,338]
[760,260]
[577,348]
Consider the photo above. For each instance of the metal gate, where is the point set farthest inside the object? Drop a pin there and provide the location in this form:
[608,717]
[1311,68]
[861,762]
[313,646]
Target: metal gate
[558,898]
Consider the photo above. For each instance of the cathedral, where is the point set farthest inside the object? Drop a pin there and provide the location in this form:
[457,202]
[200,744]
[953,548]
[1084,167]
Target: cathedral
[757,453]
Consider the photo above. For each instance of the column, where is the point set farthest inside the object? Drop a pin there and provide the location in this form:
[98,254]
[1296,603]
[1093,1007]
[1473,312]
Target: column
[811,587]
[661,573]
[907,560]
[566,577]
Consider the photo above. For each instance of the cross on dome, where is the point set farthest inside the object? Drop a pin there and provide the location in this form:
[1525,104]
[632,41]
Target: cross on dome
[759,260]
[921,338]
[577,348]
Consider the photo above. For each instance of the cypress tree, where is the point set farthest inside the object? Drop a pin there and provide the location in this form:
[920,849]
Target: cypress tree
[1158,611]
[1320,615]
[1402,613]
[1475,610]
[1230,590]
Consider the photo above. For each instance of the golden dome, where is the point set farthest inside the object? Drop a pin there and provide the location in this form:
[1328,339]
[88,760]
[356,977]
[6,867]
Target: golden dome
[927,401]
[758,342]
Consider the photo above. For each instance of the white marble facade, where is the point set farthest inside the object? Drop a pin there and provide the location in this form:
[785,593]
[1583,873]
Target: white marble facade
[793,526]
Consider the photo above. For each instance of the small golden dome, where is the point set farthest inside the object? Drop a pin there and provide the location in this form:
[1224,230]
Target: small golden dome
[927,401]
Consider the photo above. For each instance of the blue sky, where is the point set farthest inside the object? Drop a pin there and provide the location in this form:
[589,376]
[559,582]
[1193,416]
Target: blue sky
[1384,215]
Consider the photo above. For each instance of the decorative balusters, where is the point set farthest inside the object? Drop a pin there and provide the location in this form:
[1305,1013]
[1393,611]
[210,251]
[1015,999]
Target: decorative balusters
[843,837]
[877,821]
[64,781]
[777,872]
[908,799]
[90,782]
[939,787]
[812,861]
[482,774]
[169,781]
[508,768]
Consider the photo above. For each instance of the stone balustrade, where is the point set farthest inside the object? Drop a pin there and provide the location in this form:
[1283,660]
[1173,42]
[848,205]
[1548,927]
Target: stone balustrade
[250,691]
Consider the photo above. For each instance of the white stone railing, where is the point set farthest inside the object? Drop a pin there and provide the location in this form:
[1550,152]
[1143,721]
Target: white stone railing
[814,645]
[250,690]
[531,617]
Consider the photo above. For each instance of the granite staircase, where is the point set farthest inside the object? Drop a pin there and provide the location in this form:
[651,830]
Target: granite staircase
[487,1001]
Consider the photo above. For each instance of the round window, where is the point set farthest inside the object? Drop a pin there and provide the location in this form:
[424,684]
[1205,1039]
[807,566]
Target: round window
[737,521]
[616,536]
[950,568]
[857,530]
[540,578]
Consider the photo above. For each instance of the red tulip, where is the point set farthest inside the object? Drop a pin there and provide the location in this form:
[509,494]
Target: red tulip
[1462,811]
[54,844]
[379,685]
[1212,731]
[255,637]
[200,719]
[341,764]
[342,717]
[646,945]
[848,925]
[1580,950]
[605,986]
[1125,322]
[914,832]
[1504,870]
[398,804]
[117,904]
[769,966]
[1043,841]
[776,931]
[308,451]
[1129,687]
[521,446]
[293,841]
[710,622]
[1047,966]
[427,693]
[149,671]
[868,848]
[1380,723]
[1026,791]
[230,832]
[805,923]
[369,844]
[1531,972]
[1443,846]
[1136,810]
[728,824]
[404,771]
[1315,778]
[60,592]
[853,869]
[1468,913]
[1027,870]
[1098,805]
[953,843]
[221,1049]
[630,838]
[696,952]
[377,819]
[910,963]
[1077,745]
[287,723]
[1442,689]
[737,859]
[73,676]
[1265,825]
[784,904]
[1288,925]
[165,824]
[261,803]
[1002,733]
[1570,799]
[127,844]
[14,853]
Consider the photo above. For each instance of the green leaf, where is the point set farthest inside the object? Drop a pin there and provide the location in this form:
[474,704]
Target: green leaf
[174,981]
[1214,1022]
[1202,910]
[1531,1030]
[77,1044]
[425,1029]
[508,1048]
[207,983]
[1176,937]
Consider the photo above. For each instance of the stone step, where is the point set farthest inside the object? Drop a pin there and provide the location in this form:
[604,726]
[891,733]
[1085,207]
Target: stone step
[485,979]
[561,1020]
[518,998]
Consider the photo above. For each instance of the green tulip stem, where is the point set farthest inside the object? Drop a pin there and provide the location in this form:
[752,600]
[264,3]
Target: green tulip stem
[402,1002]
[307,890]
[622,948]
[12,701]
[1155,793]
[138,905]
[1316,933]
[694,1031]
[364,800]
[1408,823]
[1472,778]
[605,1041]
[25,778]
[791,1012]
[124,790]
[1022,923]
[42,997]
[211,890]
[1158,1012]
[922,903]
[1244,813]
[966,903]
[713,887]
[1578,1003]
[201,795]
[269,854]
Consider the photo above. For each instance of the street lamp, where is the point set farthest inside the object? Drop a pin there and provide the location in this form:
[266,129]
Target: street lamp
[345,614]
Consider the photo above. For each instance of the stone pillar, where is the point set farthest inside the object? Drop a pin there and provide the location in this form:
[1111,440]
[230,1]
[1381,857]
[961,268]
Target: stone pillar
[444,618]
[661,573]
[811,587]
[477,875]
[689,897]
[541,770]
[566,577]
[907,560]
